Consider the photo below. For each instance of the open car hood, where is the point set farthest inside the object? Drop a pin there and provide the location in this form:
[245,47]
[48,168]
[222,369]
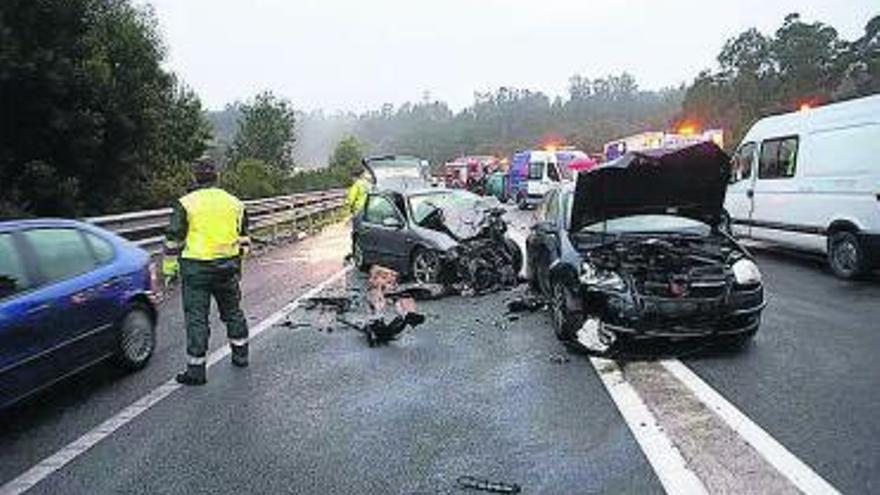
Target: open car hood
[396,168]
[689,182]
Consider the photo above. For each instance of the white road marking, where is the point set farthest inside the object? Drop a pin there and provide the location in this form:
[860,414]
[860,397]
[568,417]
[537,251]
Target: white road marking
[663,456]
[800,474]
[71,451]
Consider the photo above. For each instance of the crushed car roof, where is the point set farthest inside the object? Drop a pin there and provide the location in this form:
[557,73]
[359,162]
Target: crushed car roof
[689,182]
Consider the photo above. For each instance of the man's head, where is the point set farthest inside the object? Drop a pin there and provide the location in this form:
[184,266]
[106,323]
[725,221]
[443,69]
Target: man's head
[205,172]
[356,173]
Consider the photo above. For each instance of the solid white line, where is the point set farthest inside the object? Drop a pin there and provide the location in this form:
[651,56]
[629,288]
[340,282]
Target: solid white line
[71,451]
[800,474]
[663,456]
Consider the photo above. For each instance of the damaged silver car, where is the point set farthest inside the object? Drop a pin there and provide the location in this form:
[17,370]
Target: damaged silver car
[434,235]
[640,248]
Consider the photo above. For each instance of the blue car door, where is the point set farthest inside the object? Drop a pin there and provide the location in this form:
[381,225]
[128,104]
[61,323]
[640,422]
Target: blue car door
[25,324]
[80,292]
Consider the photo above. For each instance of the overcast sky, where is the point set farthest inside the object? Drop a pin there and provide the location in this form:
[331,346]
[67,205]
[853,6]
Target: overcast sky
[358,54]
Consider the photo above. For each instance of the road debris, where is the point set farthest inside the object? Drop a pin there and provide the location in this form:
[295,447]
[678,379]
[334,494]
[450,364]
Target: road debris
[339,303]
[528,302]
[473,483]
[559,359]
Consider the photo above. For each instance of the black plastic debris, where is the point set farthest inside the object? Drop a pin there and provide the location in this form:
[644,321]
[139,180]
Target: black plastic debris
[528,303]
[378,331]
[337,303]
[473,483]
[295,324]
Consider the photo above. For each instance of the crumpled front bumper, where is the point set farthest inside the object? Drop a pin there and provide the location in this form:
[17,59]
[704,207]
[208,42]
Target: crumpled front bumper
[738,313]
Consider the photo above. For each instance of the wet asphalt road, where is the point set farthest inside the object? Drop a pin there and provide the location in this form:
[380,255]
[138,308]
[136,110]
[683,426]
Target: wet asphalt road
[321,413]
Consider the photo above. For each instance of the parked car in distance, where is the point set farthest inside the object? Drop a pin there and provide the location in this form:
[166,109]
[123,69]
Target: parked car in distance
[496,185]
[71,295]
[639,249]
[531,174]
[811,180]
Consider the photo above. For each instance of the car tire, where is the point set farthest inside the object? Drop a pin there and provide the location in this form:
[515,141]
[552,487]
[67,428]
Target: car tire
[566,322]
[357,255]
[425,266]
[515,254]
[847,256]
[521,202]
[136,338]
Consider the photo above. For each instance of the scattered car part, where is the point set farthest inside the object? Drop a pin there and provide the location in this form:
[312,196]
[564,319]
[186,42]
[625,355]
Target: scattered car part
[473,483]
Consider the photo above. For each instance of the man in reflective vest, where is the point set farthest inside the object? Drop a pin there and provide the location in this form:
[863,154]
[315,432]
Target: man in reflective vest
[208,231]
[356,197]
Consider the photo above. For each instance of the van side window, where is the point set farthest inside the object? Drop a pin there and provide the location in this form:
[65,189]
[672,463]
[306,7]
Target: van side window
[536,170]
[778,158]
[743,163]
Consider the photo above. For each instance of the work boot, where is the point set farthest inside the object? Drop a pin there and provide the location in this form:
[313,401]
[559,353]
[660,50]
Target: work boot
[194,375]
[240,355]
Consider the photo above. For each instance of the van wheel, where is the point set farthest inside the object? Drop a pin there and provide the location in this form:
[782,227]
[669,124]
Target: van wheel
[846,255]
[521,201]
[136,339]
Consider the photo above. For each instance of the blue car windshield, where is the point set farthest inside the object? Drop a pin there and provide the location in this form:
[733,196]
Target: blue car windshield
[649,223]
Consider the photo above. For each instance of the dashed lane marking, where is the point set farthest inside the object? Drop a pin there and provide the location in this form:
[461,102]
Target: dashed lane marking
[795,470]
[76,448]
[664,457]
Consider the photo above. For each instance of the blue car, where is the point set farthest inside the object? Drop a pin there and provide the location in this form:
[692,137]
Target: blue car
[71,295]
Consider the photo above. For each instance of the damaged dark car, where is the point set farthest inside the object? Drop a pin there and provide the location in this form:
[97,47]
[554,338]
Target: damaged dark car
[640,248]
[434,235]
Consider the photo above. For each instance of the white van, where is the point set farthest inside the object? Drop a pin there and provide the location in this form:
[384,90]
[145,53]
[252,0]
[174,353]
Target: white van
[532,174]
[811,180]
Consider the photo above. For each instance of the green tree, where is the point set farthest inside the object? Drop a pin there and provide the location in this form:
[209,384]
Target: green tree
[251,178]
[347,156]
[265,132]
[87,105]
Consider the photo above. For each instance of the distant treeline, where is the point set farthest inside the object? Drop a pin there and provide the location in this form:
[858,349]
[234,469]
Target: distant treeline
[91,122]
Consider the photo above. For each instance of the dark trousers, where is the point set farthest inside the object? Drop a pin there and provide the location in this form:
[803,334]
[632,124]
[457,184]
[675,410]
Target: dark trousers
[202,280]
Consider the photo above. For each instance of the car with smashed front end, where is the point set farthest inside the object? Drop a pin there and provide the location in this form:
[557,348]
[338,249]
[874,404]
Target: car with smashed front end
[431,234]
[640,247]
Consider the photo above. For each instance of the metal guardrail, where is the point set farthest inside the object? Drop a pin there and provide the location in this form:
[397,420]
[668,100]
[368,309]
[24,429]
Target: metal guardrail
[147,228]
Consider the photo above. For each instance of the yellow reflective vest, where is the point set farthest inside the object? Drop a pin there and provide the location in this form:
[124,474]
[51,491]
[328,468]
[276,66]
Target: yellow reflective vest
[214,225]
[356,197]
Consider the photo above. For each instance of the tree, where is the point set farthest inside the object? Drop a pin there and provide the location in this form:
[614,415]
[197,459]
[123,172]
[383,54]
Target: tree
[87,106]
[265,132]
[347,156]
[251,178]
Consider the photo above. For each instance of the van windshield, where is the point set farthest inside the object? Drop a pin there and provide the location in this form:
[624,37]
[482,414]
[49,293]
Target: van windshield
[536,170]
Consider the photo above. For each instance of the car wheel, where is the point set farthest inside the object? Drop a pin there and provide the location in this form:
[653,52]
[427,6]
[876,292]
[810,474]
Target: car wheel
[357,255]
[846,255]
[425,267]
[516,255]
[565,321]
[521,201]
[136,339]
